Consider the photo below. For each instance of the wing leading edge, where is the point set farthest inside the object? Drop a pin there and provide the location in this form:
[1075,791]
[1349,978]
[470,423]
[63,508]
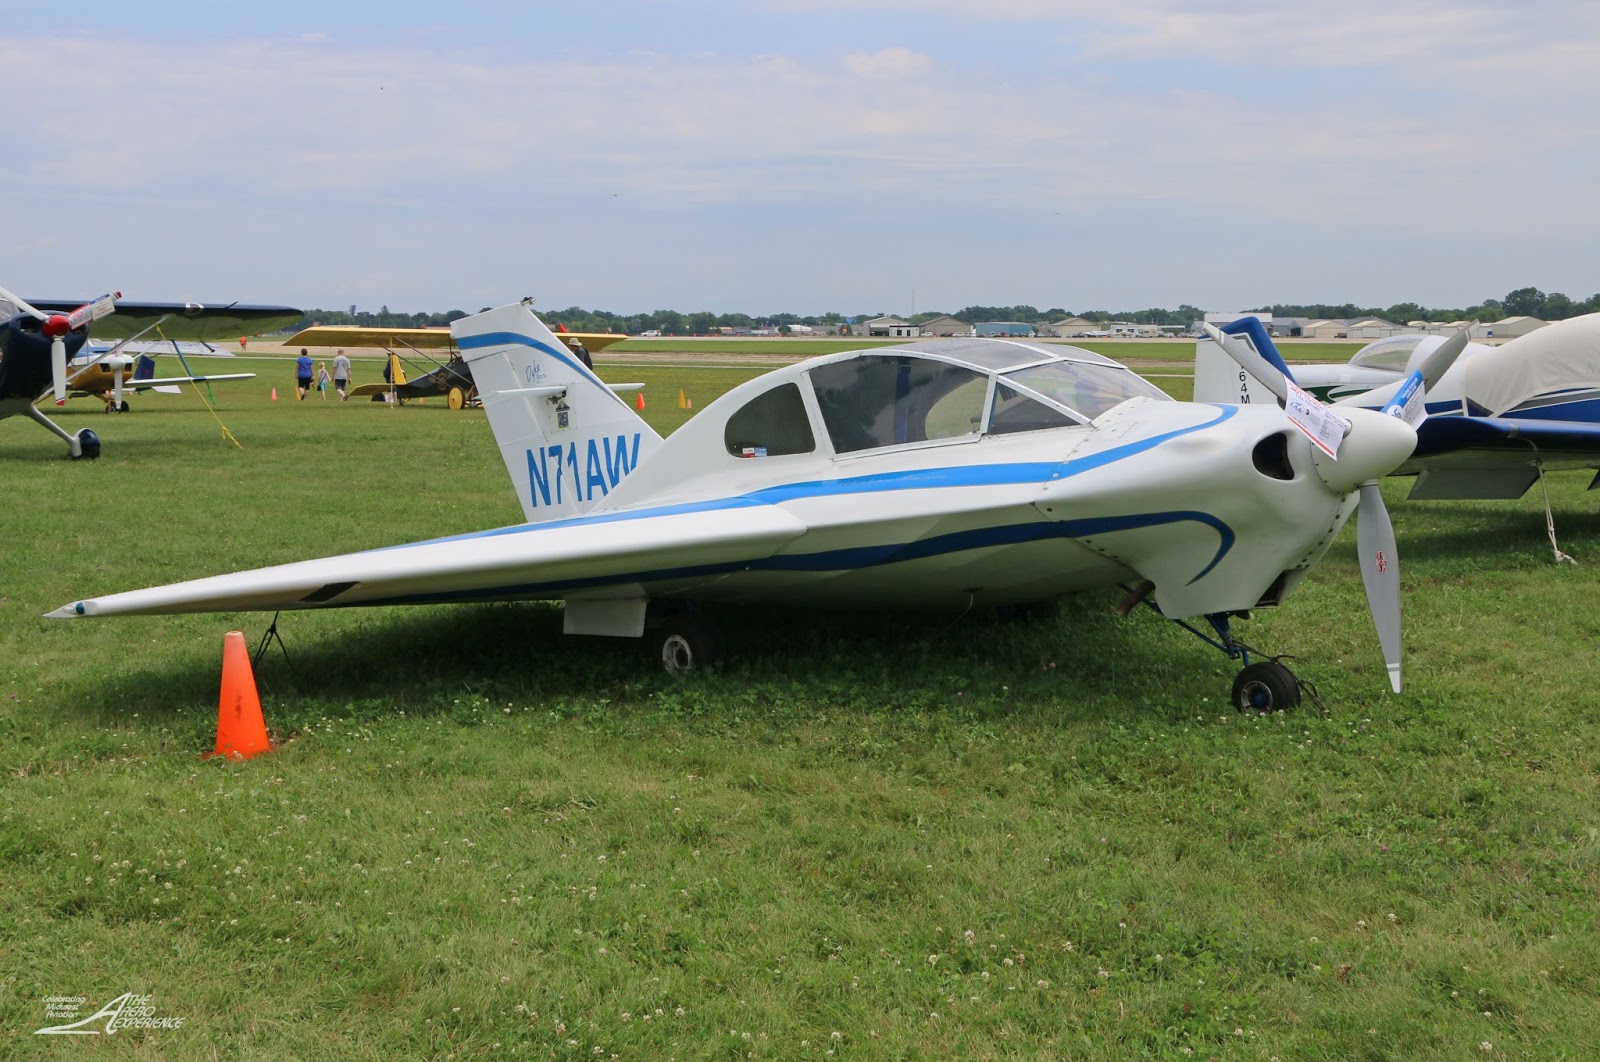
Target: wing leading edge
[526,561]
[183,320]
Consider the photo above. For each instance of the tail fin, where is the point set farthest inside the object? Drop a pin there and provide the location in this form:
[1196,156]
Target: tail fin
[397,371]
[1218,378]
[144,368]
[566,438]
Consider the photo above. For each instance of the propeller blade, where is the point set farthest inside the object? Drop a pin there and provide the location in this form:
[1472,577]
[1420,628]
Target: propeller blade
[58,367]
[1380,572]
[1439,362]
[1250,325]
[21,304]
[1271,377]
[116,386]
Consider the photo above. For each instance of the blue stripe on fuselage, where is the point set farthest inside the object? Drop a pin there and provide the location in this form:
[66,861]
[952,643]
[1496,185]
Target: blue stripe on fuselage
[853,558]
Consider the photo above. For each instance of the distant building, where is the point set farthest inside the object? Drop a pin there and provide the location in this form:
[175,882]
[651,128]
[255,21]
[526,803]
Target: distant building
[1371,328]
[1004,328]
[1129,330]
[1512,327]
[1221,317]
[1325,330]
[944,326]
[884,326]
[1071,326]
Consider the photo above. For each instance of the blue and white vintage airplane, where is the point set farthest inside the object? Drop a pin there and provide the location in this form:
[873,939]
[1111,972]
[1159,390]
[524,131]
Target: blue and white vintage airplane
[39,342]
[944,474]
[1496,420]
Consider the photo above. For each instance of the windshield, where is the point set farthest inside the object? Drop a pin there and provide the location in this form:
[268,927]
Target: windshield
[1390,354]
[1088,390]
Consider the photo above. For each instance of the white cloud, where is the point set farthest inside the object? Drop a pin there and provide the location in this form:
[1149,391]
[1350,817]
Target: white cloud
[334,141]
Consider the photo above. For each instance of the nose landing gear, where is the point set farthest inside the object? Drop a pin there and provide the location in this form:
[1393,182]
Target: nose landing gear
[1264,685]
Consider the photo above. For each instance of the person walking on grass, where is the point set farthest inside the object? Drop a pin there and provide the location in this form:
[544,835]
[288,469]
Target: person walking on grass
[322,380]
[302,374]
[341,375]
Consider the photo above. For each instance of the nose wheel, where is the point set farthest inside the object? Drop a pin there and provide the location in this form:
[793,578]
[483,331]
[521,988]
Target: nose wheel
[87,446]
[1265,686]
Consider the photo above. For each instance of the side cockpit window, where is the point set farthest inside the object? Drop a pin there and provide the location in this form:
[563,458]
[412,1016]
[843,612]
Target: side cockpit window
[1014,411]
[890,400]
[770,425]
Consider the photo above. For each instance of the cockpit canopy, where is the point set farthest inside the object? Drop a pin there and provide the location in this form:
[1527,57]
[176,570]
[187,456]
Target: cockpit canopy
[1391,354]
[935,390]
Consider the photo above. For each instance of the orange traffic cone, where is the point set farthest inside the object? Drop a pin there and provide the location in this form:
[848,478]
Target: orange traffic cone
[274,394]
[688,403]
[638,403]
[683,399]
[241,730]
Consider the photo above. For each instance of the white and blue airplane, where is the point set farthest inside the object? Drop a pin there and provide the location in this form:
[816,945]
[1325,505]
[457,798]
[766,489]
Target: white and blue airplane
[943,474]
[1496,420]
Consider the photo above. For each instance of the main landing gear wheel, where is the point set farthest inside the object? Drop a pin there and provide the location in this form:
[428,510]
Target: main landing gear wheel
[458,398]
[688,643]
[88,446]
[1265,686]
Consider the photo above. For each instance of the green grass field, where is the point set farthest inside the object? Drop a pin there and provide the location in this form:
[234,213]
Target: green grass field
[866,836]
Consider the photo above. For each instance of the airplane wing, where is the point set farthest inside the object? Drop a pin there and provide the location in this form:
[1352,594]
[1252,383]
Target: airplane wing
[416,338]
[665,547]
[141,385]
[182,320]
[381,338]
[1496,457]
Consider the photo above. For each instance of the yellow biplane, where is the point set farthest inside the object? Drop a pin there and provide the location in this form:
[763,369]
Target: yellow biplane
[450,379]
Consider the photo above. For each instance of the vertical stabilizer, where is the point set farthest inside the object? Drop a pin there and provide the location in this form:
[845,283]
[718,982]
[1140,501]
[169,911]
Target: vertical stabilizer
[567,439]
[1218,378]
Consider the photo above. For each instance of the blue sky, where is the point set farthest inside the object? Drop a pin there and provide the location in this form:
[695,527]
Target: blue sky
[802,155]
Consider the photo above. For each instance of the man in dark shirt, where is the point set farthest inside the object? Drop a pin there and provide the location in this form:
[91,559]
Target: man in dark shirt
[302,373]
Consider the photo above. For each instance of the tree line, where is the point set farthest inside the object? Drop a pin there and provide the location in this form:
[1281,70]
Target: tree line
[1530,302]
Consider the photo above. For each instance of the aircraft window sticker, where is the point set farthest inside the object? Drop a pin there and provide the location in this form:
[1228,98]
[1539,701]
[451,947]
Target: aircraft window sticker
[1086,389]
[772,424]
[885,400]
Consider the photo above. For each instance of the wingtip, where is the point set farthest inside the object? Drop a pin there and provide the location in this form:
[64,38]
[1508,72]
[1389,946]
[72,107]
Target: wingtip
[72,611]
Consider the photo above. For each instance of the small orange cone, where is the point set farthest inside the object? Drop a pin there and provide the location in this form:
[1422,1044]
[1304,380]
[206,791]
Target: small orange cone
[274,394]
[241,730]
[638,403]
[688,403]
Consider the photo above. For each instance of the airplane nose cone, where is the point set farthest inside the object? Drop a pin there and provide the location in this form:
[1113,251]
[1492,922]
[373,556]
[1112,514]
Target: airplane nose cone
[1376,445]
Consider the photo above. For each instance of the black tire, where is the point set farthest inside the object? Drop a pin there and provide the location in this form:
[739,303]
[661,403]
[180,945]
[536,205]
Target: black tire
[122,407]
[688,643]
[1265,686]
[89,443]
